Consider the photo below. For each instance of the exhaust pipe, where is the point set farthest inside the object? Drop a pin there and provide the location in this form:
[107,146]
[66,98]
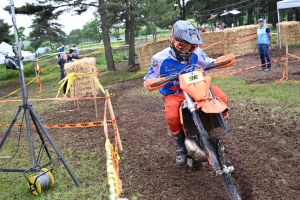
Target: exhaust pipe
[194,150]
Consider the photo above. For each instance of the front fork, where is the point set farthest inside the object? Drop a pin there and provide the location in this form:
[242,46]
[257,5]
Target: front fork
[203,135]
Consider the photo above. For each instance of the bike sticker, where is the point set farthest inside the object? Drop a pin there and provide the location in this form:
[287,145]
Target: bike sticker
[193,77]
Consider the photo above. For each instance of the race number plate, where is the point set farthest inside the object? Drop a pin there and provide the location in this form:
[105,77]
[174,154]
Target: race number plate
[193,77]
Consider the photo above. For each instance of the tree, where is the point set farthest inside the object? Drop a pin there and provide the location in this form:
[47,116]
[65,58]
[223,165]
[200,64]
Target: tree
[106,40]
[160,15]
[21,35]
[57,7]
[4,32]
[75,36]
[92,29]
[45,30]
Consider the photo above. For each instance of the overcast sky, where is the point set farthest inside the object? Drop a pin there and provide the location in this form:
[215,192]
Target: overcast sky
[69,20]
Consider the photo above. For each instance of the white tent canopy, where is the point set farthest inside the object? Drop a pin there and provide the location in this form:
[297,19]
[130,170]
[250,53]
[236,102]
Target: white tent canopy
[6,49]
[283,5]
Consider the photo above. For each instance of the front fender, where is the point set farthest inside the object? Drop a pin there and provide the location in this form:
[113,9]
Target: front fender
[211,105]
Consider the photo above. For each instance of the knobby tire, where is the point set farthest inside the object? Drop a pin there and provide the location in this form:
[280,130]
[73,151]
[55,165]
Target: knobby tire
[232,154]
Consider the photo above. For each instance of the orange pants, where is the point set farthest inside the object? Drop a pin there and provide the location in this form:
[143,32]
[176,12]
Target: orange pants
[171,108]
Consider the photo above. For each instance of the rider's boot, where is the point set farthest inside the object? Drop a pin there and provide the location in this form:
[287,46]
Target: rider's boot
[181,154]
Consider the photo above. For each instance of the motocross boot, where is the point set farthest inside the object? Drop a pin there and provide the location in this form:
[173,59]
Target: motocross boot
[181,154]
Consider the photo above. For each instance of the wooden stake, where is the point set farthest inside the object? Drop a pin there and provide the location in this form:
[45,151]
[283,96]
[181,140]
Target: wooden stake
[112,115]
[95,100]
[76,95]
[287,62]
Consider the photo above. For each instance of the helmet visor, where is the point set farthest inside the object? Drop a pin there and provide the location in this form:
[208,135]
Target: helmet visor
[185,48]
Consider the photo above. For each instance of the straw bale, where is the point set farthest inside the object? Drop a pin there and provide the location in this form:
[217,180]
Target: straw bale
[85,84]
[145,52]
[290,32]
[237,46]
[209,38]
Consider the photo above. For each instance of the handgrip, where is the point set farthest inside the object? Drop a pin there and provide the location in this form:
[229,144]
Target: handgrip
[167,79]
[212,65]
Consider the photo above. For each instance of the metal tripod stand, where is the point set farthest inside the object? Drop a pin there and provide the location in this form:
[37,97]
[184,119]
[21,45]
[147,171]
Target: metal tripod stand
[15,62]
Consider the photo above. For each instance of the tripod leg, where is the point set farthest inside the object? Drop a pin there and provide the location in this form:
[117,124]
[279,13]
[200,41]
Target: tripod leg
[10,126]
[41,137]
[35,118]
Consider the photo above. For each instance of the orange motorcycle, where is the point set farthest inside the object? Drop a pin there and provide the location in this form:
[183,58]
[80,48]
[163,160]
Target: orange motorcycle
[208,136]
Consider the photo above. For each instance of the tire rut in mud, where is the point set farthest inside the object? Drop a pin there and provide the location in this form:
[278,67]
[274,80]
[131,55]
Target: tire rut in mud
[236,160]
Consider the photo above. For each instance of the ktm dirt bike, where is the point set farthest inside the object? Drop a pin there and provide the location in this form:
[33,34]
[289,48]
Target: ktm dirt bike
[208,136]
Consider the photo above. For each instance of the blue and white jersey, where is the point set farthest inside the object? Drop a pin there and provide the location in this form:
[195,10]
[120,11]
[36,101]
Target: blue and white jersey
[164,64]
[263,35]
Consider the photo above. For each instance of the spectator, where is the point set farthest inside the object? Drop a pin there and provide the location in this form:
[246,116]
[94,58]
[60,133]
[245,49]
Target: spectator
[263,40]
[71,55]
[61,62]
[61,51]
[218,28]
[76,51]
[212,29]
[223,25]
[202,29]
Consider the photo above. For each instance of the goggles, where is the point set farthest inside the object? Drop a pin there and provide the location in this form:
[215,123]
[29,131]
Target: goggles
[185,48]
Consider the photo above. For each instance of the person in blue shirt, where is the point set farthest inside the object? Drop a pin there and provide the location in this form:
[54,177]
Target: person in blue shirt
[76,51]
[263,40]
[183,51]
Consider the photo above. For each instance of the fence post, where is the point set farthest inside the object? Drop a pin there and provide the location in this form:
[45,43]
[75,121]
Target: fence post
[287,62]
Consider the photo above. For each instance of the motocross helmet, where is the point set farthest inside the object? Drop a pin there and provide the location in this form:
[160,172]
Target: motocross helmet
[184,40]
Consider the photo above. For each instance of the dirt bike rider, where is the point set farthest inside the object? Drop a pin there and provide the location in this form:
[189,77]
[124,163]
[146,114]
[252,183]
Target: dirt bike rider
[183,51]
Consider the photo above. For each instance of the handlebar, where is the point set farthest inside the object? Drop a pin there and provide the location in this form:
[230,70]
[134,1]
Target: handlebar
[212,65]
[167,79]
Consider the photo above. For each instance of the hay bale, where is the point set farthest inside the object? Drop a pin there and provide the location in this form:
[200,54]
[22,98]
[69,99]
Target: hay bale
[145,52]
[290,32]
[84,85]
[240,45]
[237,46]
[209,38]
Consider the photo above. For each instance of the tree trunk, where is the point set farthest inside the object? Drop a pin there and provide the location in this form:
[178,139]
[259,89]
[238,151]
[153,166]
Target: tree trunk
[131,60]
[154,37]
[127,23]
[250,16]
[106,40]
[183,10]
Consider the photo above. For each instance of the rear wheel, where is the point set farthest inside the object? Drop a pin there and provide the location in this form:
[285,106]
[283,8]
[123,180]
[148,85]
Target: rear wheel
[234,176]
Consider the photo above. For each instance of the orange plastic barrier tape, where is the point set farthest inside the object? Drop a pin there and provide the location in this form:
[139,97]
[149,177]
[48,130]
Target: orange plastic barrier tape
[222,50]
[285,68]
[244,69]
[48,70]
[78,125]
[228,39]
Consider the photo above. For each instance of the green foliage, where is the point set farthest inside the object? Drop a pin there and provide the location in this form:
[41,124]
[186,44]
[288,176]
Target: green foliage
[29,48]
[48,44]
[92,29]
[101,60]
[21,33]
[45,29]
[5,35]
[75,36]
[14,74]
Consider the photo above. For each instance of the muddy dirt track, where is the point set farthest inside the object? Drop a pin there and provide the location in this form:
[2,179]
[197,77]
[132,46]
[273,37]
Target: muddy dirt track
[270,146]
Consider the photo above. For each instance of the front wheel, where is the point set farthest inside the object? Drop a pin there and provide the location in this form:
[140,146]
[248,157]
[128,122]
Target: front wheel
[233,175]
